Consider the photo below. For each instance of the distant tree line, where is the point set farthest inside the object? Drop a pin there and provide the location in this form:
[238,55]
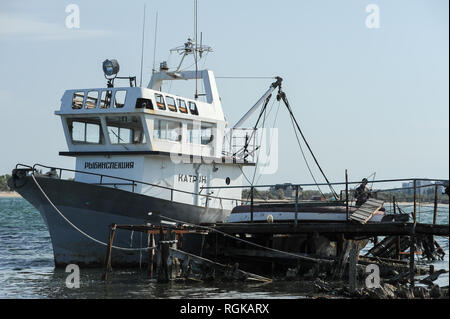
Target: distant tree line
[4,183]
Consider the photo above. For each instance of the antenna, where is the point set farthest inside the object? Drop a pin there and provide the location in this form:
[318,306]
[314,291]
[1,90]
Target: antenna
[142,50]
[154,45]
[196,49]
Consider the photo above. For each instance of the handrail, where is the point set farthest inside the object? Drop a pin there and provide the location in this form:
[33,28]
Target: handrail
[208,196]
[335,183]
[133,182]
[243,186]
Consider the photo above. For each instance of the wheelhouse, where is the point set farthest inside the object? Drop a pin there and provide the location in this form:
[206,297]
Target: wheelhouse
[131,119]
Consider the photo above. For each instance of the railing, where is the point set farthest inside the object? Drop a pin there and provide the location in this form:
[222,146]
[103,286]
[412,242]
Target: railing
[346,201]
[253,190]
[242,143]
[131,182]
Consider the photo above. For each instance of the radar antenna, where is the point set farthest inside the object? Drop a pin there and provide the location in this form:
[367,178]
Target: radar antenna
[190,48]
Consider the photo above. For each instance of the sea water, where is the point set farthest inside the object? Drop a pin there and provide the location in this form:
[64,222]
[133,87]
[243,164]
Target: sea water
[27,267]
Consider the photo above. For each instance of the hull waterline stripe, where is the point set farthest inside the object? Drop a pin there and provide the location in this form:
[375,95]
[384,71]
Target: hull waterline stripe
[78,229]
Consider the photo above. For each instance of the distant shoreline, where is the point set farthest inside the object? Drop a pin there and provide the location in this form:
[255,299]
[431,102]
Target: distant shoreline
[9,195]
[418,203]
[17,195]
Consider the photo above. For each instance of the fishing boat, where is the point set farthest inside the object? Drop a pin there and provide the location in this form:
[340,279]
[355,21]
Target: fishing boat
[145,155]
[141,154]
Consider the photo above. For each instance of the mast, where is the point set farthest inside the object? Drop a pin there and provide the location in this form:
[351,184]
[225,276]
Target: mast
[142,49]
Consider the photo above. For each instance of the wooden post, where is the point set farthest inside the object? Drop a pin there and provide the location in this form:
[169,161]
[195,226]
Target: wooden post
[340,244]
[398,242]
[346,196]
[296,205]
[341,260]
[352,268]
[436,188]
[163,271]
[411,238]
[415,201]
[251,203]
[411,258]
[393,203]
[109,251]
[151,255]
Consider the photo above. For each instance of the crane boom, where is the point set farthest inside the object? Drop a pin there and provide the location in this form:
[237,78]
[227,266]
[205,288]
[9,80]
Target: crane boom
[273,86]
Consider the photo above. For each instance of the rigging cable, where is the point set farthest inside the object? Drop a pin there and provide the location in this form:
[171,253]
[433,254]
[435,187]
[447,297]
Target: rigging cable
[282,95]
[78,229]
[304,157]
[273,125]
[263,123]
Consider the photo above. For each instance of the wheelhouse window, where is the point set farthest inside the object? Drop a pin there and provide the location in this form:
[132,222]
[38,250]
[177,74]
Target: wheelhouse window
[119,98]
[85,130]
[125,130]
[160,102]
[105,101]
[182,106]
[167,130]
[171,103]
[142,103]
[193,108]
[91,100]
[200,134]
[77,100]
[206,135]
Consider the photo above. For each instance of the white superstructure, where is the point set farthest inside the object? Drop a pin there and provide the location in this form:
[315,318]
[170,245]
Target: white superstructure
[147,135]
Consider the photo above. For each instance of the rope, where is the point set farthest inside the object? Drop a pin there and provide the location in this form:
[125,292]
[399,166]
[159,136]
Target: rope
[304,158]
[242,240]
[282,95]
[78,229]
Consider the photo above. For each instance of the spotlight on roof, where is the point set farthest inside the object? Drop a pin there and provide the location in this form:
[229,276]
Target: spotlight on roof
[110,68]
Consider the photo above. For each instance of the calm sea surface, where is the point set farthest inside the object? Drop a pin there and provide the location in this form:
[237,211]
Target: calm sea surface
[27,270]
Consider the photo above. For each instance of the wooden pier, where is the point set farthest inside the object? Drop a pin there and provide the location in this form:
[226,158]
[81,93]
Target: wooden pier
[259,251]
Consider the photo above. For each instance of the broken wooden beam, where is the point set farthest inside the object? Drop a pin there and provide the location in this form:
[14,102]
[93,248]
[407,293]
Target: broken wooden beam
[108,267]
[352,272]
[353,229]
[224,268]
[342,260]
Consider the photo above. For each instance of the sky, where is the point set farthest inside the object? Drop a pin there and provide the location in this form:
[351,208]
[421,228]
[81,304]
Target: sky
[368,99]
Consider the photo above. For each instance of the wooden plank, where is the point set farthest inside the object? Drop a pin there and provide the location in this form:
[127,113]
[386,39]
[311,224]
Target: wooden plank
[364,211]
[376,201]
[356,218]
[358,215]
[361,215]
[360,220]
[377,229]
